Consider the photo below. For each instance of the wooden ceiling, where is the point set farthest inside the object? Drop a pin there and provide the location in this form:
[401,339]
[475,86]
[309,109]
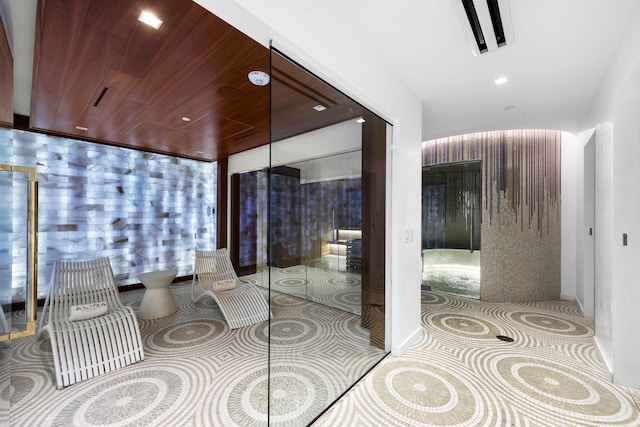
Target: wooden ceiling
[6,80]
[97,67]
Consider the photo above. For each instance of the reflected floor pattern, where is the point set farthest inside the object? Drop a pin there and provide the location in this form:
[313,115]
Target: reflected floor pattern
[325,284]
[460,374]
[455,271]
[197,372]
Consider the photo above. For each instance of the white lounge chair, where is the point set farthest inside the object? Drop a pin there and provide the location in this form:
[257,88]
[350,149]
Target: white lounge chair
[106,335]
[243,304]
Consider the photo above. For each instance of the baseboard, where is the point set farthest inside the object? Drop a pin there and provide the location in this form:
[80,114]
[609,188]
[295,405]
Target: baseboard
[567,297]
[398,350]
[604,356]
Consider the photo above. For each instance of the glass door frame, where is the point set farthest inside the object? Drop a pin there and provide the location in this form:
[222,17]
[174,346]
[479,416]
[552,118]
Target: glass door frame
[32,253]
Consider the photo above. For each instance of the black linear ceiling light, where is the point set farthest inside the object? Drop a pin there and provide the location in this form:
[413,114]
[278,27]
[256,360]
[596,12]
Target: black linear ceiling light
[476,29]
[476,25]
[496,20]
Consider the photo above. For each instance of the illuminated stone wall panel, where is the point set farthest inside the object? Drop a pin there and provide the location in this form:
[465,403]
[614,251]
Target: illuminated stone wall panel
[144,211]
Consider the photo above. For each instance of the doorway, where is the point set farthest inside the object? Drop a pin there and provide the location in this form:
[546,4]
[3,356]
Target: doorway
[451,219]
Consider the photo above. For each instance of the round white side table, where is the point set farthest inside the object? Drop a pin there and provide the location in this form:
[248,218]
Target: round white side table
[157,300]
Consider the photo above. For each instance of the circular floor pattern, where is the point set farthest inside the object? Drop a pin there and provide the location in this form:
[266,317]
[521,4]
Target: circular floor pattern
[558,390]
[291,282]
[31,349]
[285,301]
[584,352]
[182,335]
[344,299]
[347,325]
[298,394]
[17,389]
[565,307]
[463,325]
[550,324]
[289,332]
[204,303]
[150,397]
[431,298]
[422,393]
[344,280]
[299,269]
[27,385]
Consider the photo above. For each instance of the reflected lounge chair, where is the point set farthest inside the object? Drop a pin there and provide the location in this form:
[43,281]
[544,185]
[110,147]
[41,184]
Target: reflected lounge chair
[242,304]
[91,331]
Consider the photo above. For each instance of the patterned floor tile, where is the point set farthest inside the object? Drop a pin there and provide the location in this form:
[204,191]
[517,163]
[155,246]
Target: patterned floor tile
[198,372]
[460,374]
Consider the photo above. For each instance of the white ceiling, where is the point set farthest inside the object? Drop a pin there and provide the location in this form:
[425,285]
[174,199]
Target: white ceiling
[554,62]
[559,54]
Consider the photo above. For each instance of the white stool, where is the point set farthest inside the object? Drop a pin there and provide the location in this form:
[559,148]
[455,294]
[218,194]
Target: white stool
[157,300]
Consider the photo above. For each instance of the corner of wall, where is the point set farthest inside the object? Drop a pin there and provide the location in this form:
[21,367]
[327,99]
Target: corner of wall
[410,341]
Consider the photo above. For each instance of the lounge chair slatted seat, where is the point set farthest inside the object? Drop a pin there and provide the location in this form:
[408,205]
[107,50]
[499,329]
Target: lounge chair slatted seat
[242,305]
[83,349]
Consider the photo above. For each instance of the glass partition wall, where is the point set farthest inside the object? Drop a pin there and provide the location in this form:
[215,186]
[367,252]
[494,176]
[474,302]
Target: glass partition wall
[318,217]
[327,300]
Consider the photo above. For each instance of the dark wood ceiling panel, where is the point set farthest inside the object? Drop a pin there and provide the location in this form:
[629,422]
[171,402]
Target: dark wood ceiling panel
[295,93]
[146,79]
[97,66]
[61,29]
[6,79]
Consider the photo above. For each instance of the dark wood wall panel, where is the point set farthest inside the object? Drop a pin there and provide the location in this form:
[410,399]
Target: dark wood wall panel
[6,80]
[373,228]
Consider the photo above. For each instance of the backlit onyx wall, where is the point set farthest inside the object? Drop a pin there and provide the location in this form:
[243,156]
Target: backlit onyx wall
[304,216]
[144,211]
[331,205]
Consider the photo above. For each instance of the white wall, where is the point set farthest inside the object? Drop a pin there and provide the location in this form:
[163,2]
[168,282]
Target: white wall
[604,242]
[626,216]
[586,232]
[622,63]
[314,34]
[611,114]
[340,138]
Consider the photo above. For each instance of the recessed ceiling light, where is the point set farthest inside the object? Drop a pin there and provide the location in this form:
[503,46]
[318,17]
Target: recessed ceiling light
[81,128]
[500,81]
[259,78]
[360,120]
[319,107]
[186,119]
[150,19]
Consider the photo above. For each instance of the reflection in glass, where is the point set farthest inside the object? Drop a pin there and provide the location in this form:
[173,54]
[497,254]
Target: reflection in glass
[319,342]
[319,217]
[451,214]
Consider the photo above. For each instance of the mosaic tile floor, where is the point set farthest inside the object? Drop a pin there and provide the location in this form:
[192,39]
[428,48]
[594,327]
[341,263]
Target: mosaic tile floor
[197,372]
[324,283]
[460,374]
